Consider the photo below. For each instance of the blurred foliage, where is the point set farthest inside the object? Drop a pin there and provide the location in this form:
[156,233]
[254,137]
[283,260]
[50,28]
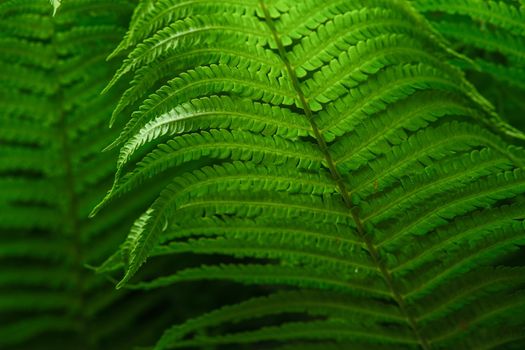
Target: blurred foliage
[492,34]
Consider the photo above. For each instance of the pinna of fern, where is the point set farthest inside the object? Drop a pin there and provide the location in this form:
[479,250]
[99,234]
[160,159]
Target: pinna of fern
[56,4]
[329,150]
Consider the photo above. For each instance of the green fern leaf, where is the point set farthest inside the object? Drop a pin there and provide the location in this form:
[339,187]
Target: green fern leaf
[326,149]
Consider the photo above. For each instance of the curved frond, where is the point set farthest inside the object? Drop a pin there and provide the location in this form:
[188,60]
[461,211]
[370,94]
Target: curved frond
[328,149]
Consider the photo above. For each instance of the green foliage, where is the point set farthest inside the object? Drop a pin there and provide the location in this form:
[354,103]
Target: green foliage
[52,127]
[327,149]
[322,170]
[492,33]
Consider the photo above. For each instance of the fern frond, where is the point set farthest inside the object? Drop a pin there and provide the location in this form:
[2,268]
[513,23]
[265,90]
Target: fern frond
[325,148]
[52,122]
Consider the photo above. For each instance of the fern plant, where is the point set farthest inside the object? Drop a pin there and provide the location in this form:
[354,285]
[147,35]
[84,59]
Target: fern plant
[327,149]
[52,128]
[492,34]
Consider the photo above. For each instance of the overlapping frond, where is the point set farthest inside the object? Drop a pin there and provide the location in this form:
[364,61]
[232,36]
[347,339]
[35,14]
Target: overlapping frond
[492,33]
[52,129]
[326,146]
